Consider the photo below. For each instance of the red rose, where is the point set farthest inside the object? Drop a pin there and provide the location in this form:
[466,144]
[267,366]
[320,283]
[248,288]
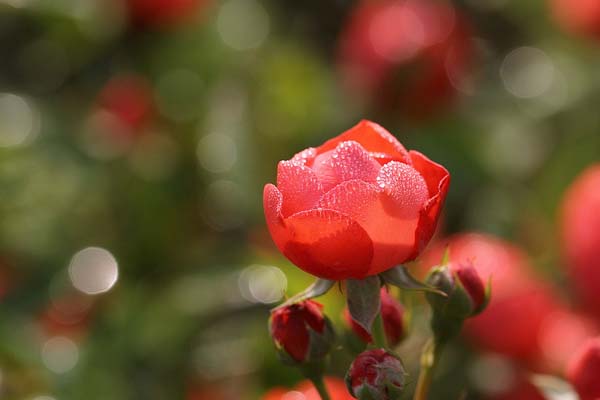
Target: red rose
[301,331]
[512,321]
[405,54]
[355,206]
[584,370]
[376,374]
[580,222]
[581,17]
[306,391]
[392,314]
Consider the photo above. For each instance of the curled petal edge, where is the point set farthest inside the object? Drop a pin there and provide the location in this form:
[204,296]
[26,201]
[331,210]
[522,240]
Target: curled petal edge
[438,180]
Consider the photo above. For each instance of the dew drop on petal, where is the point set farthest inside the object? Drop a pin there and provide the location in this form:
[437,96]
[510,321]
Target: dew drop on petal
[348,161]
[405,187]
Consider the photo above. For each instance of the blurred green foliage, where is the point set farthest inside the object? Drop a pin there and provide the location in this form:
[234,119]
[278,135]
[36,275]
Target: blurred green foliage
[182,216]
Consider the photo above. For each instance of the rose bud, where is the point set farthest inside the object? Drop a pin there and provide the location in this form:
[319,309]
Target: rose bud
[466,297]
[512,321]
[580,221]
[305,390]
[580,17]
[355,206]
[583,370]
[392,314]
[376,374]
[301,332]
[405,55]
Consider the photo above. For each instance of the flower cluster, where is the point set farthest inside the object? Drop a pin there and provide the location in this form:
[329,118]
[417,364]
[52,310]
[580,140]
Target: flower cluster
[352,210]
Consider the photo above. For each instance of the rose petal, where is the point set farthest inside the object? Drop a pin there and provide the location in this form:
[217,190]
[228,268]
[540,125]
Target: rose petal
[391,232]
[272,202]
[291,333]
[299,187]
[305,157]
[328,244]
[438,180]
[405,187]
[349,160]
[373,137]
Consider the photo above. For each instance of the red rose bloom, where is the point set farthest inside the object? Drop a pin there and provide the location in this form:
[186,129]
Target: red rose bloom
[512,321]
[581,17]
[405,54]
[306,391]
[392,314]
[355,206]
[584,370]
[291,328]
[580,222]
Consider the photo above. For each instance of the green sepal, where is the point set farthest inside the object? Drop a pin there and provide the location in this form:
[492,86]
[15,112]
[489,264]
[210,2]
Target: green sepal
[316,289]
[400,277]
[320,344]
[364,300]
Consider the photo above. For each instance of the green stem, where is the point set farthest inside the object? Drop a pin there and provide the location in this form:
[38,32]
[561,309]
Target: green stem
[379,337]
[320,386]
[429,359]
[314,372]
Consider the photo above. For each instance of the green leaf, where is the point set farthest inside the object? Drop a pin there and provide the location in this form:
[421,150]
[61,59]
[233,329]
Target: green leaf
[400,277]
[363,300]
[318,288]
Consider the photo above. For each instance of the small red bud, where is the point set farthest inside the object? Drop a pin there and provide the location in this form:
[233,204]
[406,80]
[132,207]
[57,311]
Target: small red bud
[392,314]
[375,374]
[583,370]
[301,331]
[471,281]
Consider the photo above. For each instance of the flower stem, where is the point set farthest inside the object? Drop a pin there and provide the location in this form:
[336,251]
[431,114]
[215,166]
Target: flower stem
[379,338]
[314,372]
[320,386]
[429,359]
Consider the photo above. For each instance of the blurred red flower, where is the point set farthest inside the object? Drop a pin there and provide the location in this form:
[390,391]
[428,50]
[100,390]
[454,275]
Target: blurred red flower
[580,17]
[161,13]
[392,314]
[408,55]
[355,206]
[335,386]
[584,370]
[580,222]
[128,99]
